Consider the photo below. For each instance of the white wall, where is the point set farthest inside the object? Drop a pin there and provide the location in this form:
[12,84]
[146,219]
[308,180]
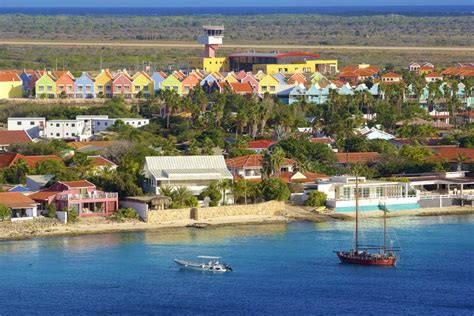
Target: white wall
[33,125]
[64,129]
[140,207]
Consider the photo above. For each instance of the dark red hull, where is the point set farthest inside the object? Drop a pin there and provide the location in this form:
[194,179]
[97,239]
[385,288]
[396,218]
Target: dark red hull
[371,260]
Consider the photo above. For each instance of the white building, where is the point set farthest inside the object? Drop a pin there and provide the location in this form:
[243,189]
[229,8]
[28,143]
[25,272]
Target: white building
[34,126]
[193,172]
[83,127]
[373,195]
[65,129]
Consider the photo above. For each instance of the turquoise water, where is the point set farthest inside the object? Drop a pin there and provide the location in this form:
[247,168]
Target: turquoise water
[371,208]
[278,269]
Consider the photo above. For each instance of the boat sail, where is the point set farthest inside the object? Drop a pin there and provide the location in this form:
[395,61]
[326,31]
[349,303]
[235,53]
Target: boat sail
[362,254]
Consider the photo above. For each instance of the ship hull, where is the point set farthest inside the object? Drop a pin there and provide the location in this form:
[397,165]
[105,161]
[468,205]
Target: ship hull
[352,258]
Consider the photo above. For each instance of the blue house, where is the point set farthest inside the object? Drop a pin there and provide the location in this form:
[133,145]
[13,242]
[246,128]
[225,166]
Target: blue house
[19,188]
[317,95]
[157,78]
[84,87]
[210,79]
[26,79]
[280,77]
[345,90]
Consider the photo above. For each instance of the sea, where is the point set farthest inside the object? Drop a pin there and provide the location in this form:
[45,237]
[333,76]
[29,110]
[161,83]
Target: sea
[434,10]
[279,269]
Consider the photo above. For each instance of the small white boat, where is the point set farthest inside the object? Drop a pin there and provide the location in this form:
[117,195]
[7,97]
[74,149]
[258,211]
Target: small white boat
[208,263]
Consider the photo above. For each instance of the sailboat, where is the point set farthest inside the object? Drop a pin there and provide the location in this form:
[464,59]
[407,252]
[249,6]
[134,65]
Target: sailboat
[362,254]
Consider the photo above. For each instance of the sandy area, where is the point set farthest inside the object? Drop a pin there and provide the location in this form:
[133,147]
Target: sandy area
[44,227]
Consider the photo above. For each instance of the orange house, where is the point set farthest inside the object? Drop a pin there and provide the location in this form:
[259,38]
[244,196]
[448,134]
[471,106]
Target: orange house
[64,83]
[190,82]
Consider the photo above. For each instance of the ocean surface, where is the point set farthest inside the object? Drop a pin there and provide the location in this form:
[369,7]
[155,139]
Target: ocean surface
[278,270]
[440,10]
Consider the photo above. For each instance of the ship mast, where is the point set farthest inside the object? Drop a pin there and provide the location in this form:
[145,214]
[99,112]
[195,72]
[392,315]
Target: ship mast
[357,212]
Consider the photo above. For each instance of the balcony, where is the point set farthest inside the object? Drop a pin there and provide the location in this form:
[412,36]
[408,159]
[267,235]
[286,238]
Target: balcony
[87,196]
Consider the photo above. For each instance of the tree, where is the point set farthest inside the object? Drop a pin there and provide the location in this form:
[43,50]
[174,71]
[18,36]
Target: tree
[52,167]
[225,185]
[213,193]
[182,197]
[316,199]
[274,189]
[5,212]
[82,164]
[51,210]
[460,160]
[273,161]
[17,173]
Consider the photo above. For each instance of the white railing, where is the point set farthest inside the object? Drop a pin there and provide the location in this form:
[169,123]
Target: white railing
[72,197]
[376,198]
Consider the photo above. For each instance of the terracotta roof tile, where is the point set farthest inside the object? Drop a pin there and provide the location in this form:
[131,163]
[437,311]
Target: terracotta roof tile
[357,157]
[14,137]
[16,200]
[77,184]
[99,161]
[258,144]
[251,161]
[43,195]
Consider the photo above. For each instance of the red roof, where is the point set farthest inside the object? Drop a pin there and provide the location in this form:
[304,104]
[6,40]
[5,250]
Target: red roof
[77,184]
[251,161]
[8,159]
[43,195]
[14,137]
[362,157]
[434,75]
[321,140]
[16,200]
[259,144]
[99,161]
[391,75]
[309,177]
[241,87]
[451,153]
[9,76]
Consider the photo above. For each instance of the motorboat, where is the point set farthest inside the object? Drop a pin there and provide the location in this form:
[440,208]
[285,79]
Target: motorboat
[208,263]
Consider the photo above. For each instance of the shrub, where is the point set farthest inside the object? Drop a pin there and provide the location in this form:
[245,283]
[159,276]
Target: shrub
[51,211]
[274,189]
[4,212]
[124,213]
[316,198]
[72,215]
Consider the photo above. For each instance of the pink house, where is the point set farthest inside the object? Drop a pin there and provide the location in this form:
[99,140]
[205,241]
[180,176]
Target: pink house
[122,85]
[249,78]
[82,196]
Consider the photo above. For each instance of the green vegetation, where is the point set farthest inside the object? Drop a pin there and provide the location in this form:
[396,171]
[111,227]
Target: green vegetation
[316,199]
[51,210]
[307,29]
[124,213]
[4,212]
[274,189]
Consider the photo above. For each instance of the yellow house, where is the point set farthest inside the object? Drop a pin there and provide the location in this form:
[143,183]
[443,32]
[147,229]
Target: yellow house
[142,84]
[11,85]
[327,67]
[103,84]
[268,84]
[230,77]
[210,64]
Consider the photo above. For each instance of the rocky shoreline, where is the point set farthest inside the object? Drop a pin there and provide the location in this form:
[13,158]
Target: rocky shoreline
[45,227]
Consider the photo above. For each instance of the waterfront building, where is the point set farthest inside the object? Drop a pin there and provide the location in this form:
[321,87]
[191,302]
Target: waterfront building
[142,85]
[11,85]
[8,138]
[81,196]
[64,84]
[373,195]
[250,167]
[193,172]
[45,86]
[21,207]
[103,84]
[84,87]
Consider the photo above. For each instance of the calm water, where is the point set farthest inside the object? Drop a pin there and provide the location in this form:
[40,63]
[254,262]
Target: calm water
[279,269]
[435,10]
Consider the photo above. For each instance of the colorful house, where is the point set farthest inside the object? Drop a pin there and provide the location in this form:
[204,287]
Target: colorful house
[21,207]
[11,85]
[103,84]
[45,86]
[249,78]
[230,77]
[84,87]
[172,83]
[268,84]
[25,77]
[158,77]
[122,85]
[82,196]
[64,84]
[210,78]
[190,82]
[142,85]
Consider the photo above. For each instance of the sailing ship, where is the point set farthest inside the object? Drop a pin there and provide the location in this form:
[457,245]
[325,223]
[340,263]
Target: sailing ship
[364,254]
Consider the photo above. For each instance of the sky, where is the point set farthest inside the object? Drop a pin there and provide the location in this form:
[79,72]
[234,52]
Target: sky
[211,3]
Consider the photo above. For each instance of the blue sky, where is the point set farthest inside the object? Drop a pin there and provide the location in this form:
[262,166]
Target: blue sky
[210,3]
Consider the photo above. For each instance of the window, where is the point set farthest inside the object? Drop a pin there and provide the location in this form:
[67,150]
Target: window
[40,88]
[80,88]
[100,88]
[272,88]
[57,134]
[175,88]
[108,88]
[49,88]
[73,125]
[98,123]
[137,87]
[118,87]
[57,124]
[67,124]
[346,193]
[67,134]
[18,123]
[32,123]
[379,192]
[126,87]
[61,88]
[145,88]
[88,88]
[73,134]
[105,123]
[264,88]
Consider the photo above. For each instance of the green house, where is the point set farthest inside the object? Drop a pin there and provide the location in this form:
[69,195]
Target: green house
[45,87]
[172,83]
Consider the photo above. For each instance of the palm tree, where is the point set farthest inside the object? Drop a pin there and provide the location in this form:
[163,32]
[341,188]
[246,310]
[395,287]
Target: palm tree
[167,190]
[181,197]
[224,185]
[460,160]
[272,162]
[265,111]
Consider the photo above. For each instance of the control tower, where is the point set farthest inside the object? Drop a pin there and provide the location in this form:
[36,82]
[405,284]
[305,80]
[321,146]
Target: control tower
[211,38]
